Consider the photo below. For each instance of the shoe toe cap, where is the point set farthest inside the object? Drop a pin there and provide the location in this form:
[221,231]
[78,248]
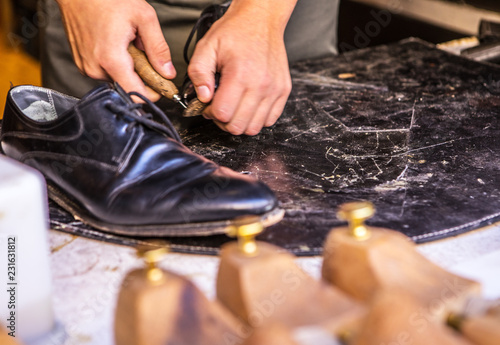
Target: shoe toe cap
[225,195]
[220,195]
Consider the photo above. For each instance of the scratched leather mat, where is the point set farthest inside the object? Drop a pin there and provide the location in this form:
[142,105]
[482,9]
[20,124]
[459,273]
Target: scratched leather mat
[411,128]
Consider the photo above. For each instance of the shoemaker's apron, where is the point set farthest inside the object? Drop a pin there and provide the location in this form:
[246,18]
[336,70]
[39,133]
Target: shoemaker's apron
[311,32]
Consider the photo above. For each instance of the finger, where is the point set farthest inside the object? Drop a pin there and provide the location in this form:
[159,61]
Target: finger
[89,67]
[227,98]
[249,107]
[276,111]
[201,71]
[95,72]
[75,52]
[138,43]
[221,125]
[280,103]
[207,113]
[259,118]
[155,46]
[151,94]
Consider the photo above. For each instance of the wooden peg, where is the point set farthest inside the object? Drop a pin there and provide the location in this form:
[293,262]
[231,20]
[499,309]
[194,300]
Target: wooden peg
[481,330]
[363,260]
[194,108]
[157,307]
[261,284]
[395,317]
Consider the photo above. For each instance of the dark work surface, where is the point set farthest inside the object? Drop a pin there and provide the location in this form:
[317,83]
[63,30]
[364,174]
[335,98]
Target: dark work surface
[414,130]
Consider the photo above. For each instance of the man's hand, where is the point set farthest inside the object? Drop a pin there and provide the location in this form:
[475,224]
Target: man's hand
[99,32]
[246,46]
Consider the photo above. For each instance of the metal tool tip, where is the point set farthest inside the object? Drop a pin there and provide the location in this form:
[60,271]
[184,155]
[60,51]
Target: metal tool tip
[178,99]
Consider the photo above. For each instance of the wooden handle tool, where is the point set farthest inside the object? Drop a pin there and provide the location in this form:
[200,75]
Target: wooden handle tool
[152,78]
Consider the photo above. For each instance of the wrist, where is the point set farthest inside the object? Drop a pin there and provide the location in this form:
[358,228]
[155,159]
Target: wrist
[274,13]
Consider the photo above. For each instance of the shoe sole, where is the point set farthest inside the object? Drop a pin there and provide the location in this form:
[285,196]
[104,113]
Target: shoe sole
[154,230]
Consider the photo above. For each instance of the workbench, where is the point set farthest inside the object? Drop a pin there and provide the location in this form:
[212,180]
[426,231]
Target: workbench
[408,155]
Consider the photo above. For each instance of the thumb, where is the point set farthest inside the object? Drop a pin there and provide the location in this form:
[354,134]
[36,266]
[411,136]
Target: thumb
[156,48]
[201,71]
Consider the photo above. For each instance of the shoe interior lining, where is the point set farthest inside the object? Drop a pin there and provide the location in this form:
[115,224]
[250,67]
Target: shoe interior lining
[40,104]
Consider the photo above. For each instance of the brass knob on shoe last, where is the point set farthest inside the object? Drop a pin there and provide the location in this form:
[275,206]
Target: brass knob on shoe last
[152,255]
[355,213]
[246,228]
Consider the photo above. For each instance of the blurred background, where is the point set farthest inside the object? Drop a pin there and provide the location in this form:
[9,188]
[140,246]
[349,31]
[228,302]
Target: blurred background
[19,50]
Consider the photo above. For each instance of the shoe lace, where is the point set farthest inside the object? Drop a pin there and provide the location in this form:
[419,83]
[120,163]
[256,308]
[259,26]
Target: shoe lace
[196,26]
[147,119]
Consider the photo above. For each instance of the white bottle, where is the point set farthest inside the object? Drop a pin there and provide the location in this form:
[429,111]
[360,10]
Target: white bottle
[25,279]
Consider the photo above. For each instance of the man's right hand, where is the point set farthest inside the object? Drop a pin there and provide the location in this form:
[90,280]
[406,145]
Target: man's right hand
[99,32]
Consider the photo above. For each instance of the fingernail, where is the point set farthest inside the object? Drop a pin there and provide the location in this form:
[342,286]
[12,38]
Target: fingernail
[203,93]
[168,69]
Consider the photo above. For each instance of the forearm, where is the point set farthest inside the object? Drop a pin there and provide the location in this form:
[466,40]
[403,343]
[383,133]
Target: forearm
[274,13]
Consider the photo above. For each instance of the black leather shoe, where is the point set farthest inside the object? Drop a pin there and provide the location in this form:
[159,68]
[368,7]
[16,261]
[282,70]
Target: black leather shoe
[114,168]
